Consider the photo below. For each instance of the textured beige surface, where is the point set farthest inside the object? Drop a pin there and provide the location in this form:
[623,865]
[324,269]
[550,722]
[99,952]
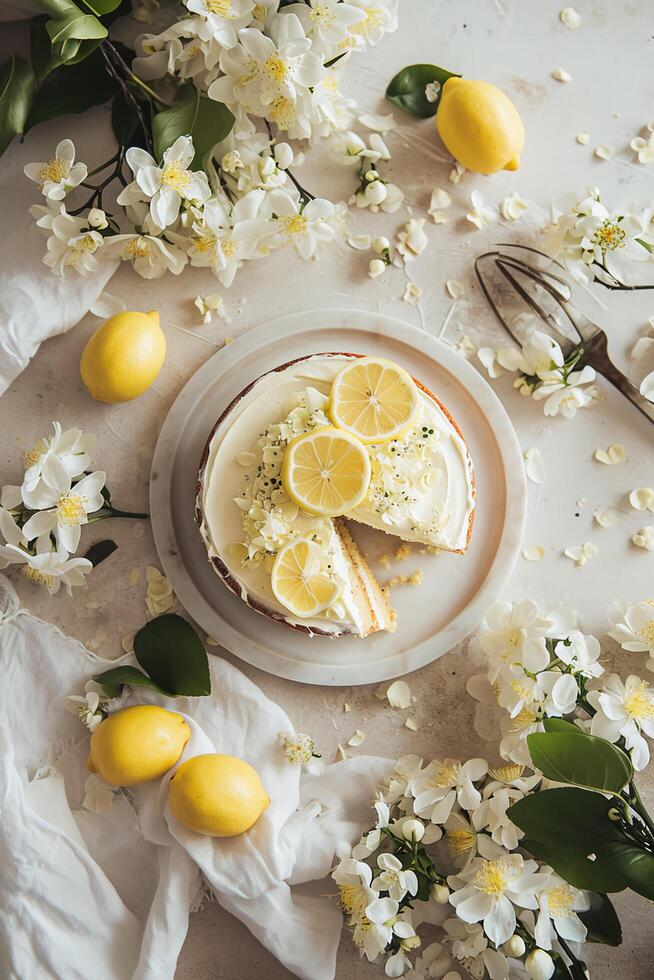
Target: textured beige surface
[516,45]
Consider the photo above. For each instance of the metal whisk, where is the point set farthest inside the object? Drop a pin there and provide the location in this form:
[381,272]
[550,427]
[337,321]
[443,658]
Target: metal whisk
[517,278]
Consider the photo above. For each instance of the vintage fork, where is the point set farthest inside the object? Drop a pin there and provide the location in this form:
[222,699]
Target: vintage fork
[533,284]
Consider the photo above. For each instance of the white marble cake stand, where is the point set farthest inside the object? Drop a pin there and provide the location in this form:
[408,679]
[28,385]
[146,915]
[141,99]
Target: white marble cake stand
[456,591]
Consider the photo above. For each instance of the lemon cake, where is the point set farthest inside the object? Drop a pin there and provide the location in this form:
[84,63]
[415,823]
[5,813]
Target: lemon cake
[306,450]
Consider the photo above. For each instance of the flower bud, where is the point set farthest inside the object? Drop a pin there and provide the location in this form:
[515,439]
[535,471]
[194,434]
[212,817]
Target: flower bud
[440,894]
[539,965]
[267,167]
[380,244]
[354,144]
[452,975]
[376,268]
[283,155]
[231,162]
[371,175]
[97,219]
[375,192]
[515,946]
[412,829]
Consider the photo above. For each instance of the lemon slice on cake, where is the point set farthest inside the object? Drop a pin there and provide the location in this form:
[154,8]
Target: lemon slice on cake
[298,579]
[326,472]
[373,399]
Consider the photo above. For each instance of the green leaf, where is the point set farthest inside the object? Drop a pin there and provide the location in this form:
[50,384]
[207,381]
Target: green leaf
[602,922]
[564,826]
[206,121]
[100,550]
[76,26]
[407,88]
[112,681]
[573,865]
[170,650]
[17,86]
[580,759]
[73,89]
[561,725]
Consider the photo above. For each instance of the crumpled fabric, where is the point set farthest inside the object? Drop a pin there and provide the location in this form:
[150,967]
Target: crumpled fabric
[34,303]
[110,893]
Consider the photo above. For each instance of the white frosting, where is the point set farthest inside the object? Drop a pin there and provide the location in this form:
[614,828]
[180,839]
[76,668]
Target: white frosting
[421,487]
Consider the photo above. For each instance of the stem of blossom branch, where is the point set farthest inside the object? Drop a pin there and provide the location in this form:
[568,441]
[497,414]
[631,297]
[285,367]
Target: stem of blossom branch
[637,804]
[117,172]
[616,284]
[111,56]
[106,512]
[573,959]
[305,194]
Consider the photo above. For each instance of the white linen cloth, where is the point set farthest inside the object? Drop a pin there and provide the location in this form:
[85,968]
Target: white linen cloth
[110,893]
[34,303]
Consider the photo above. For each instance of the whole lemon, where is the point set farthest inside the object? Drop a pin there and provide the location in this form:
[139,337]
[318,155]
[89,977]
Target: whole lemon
[218,795]
[123,357]
[135,745]
[480,126]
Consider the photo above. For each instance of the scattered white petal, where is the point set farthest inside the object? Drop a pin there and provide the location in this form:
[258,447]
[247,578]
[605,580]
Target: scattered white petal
[644,148]
[481,214]
[411,724]
[412,239]
[643,346]
[412,293]
[340,752]
[134,576]
[440,200]
[642,498]
[347,707]
[647,387]
[534,466]
[399,694]
[212,642]
[466,346]
[456,173]
[604,152]
[513,207]
[357,739]
[604,516]
[431,91]
[378,145]
[107,305]
[581,501]
[455,288]
[245,459]
[614,454]
[644,538]
[360,242]
[376,267]
[570,17]
[208,305]
[561,75]
[580,554]
[583,138]
[537,553]
[381,124]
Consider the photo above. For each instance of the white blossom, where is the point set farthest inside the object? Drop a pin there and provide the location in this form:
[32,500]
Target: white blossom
[443,783]
[58,176]
[165,186]
[624,709]
[493,885]
[56,461]
[558,904]
[633,627]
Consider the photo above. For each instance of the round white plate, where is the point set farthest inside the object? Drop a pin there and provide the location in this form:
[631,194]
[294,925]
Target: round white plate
[456,590]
